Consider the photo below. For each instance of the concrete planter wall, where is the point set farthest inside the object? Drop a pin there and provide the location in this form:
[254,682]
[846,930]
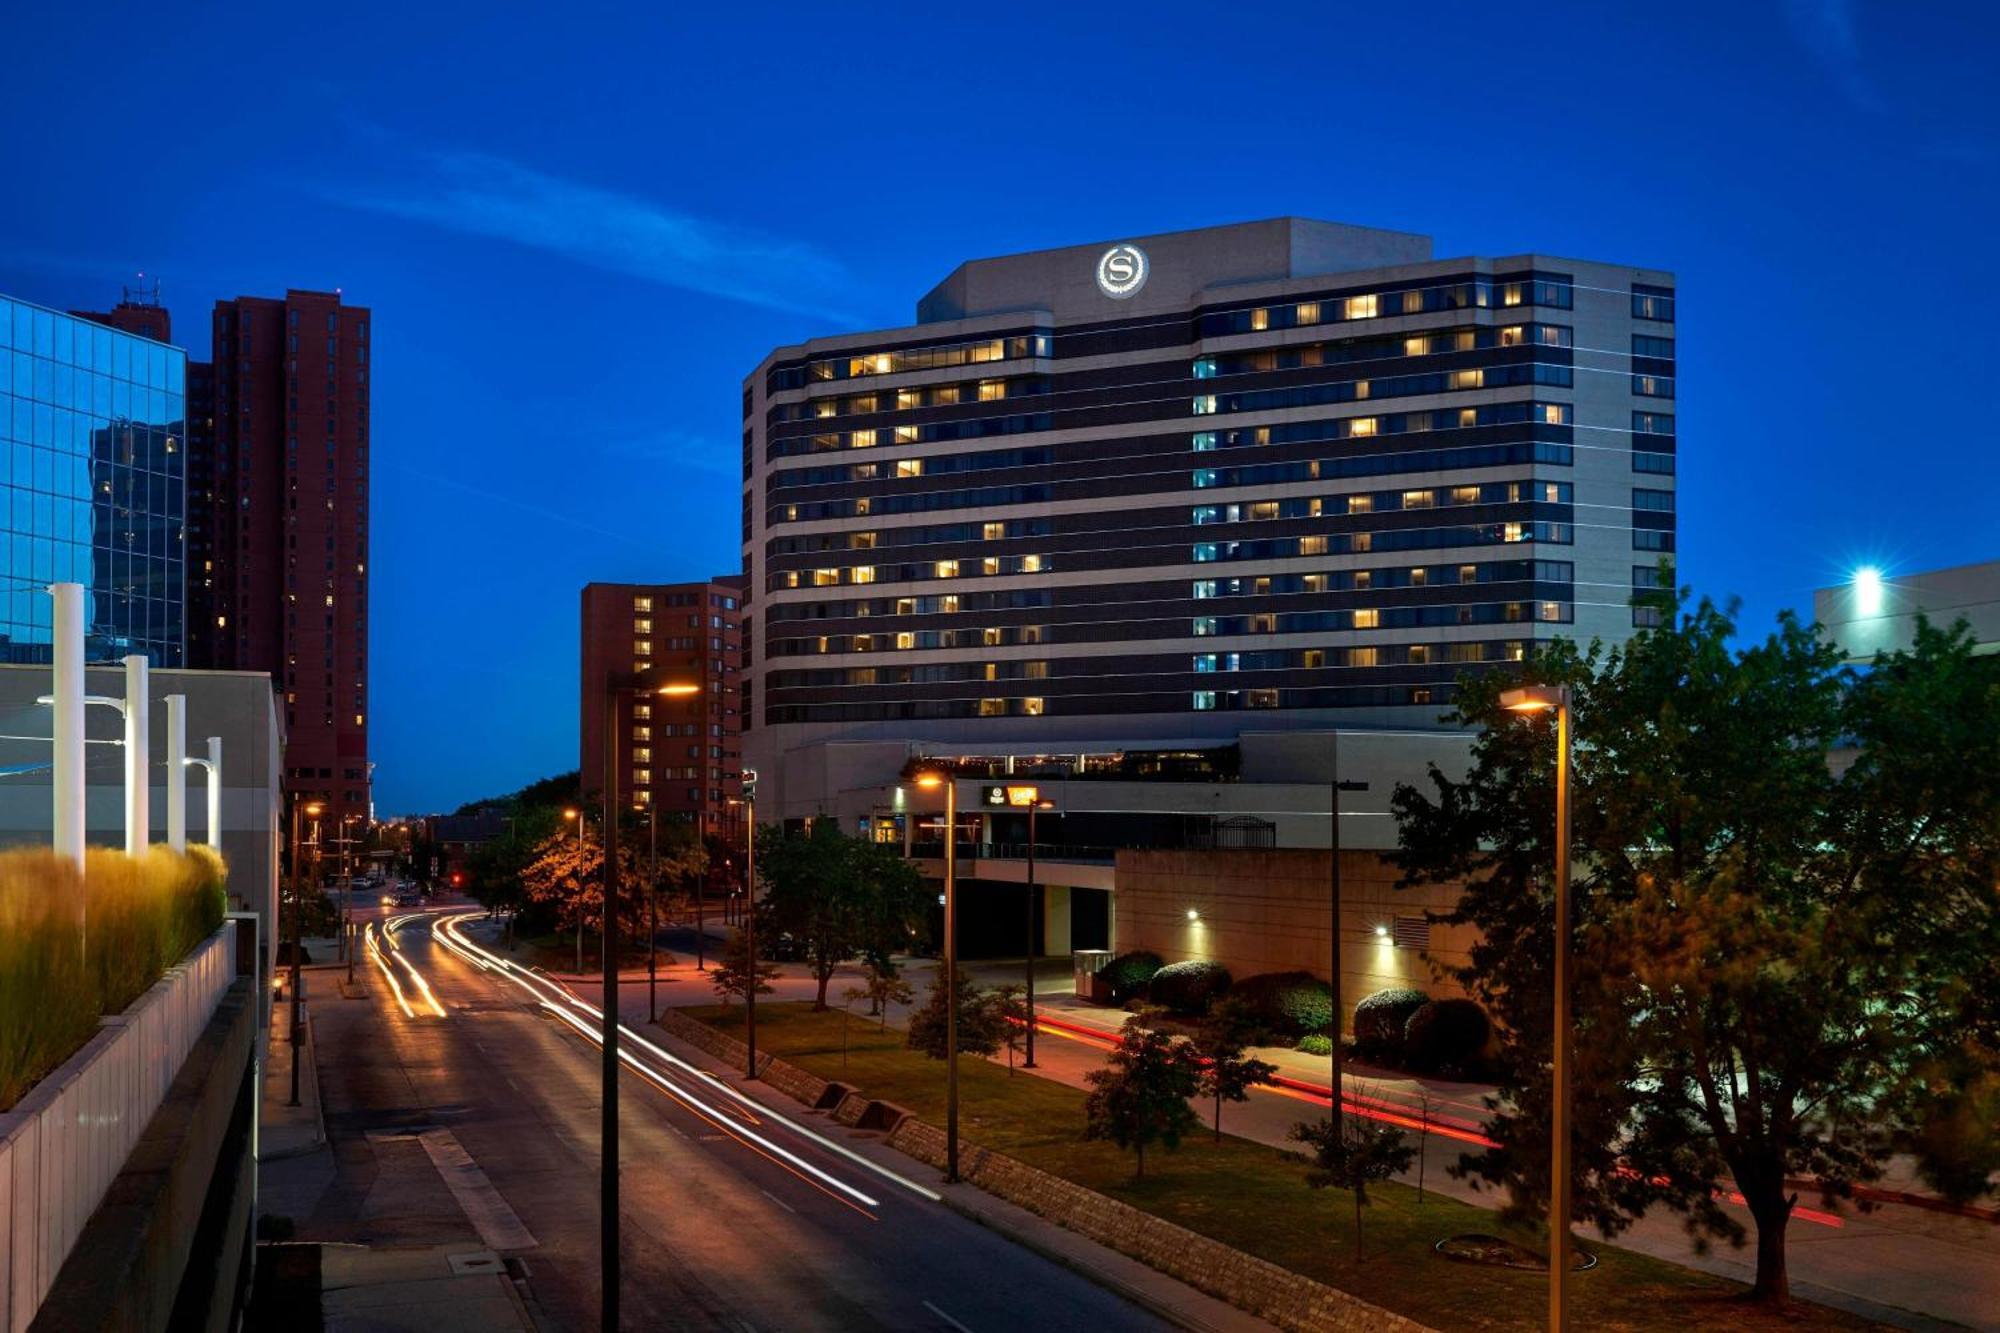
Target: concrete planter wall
[63,1143]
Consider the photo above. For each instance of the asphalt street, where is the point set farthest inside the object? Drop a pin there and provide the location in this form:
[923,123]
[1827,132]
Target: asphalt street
[482,1119]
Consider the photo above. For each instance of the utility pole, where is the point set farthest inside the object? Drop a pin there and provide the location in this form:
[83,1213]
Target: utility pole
[1337,1088]
[750,913]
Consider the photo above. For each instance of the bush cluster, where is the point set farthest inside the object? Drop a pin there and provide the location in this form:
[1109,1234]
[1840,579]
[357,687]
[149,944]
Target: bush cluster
[1379,1021]
[1445,1037]
[1187,989]
[1128,974]
[1316,1043]
[141,915]
[1287,1004]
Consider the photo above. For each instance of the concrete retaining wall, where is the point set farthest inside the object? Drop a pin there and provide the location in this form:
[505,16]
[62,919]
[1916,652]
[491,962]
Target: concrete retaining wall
[1266,1290]
[62,1145]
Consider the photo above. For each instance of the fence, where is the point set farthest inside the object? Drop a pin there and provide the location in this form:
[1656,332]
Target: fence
[63,1143]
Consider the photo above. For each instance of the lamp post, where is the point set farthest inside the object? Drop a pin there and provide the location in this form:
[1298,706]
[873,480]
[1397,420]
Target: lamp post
[616,688]
[1556,699]
[1034,802]
[577,815]
[653,914]
[298,940]
[1336,1086]
[931,779]
[750,916]
[347,896]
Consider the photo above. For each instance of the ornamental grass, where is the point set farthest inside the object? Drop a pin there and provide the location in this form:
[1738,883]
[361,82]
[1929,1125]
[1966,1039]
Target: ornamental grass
[143,914]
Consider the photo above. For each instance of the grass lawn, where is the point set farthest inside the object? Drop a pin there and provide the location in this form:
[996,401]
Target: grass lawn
[1255,1198]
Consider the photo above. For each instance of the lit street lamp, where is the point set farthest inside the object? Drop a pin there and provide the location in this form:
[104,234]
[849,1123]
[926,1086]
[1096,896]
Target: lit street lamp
[1030,797]
[577,815]
[930,779]
[313,809]
[616,688]
[1556,699]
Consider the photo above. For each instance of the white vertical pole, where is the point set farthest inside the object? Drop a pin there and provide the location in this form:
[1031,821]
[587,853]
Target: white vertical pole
[68,690]
[215,792]
[138,763]
[177,782]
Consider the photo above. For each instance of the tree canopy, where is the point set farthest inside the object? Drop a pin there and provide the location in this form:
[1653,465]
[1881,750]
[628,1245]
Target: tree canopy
[1785,962]
[839,897]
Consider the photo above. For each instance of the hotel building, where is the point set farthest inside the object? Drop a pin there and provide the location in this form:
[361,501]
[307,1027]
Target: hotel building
[1192,510]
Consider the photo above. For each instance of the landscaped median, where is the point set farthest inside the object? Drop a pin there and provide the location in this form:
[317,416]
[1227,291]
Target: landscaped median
[1253,1199]
[63,969]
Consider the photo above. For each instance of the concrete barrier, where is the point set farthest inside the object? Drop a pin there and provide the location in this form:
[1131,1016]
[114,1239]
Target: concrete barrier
[62,1144]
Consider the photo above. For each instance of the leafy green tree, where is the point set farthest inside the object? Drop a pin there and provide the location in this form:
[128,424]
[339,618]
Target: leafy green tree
[1140,1096]
[840,897]
[1221,1041]
[1010,1006]
[731,975]
[979,1020]
[1353,1153]
[1763,974]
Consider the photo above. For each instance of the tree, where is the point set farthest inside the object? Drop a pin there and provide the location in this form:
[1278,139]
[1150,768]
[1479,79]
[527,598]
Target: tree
[1229,1074]
[881,986]
[1352,1153]
[979,1021]
[1767,950]
[1010,1006]
[1141,1095]
[838,896]
[731,976]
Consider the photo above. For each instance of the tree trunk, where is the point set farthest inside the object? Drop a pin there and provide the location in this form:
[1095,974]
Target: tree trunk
[1772,1211]
[1218,1117]
[1357,1228]
[819,1003]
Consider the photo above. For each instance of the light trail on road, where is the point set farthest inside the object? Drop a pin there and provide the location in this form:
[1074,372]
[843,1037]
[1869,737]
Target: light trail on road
[558,1000]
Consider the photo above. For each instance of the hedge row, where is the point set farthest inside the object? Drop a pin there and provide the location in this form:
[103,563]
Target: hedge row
[142,915]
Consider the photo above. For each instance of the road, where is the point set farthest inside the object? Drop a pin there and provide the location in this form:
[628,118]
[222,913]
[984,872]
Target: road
[480,1113]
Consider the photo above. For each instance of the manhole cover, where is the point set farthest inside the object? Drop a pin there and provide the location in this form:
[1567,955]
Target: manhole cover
[477,1261]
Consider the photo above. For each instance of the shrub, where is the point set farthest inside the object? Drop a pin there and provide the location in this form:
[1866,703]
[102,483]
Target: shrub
[1380,1020]
[141,915]
[1446,1037]
[1316,1043]
[1128,973]
[1287,1004]
[1187,989]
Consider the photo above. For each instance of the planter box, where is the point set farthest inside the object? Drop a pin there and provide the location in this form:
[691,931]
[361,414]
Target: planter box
[64,1142]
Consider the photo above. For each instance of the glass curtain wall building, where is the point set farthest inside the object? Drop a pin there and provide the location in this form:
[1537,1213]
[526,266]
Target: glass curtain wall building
[92,484]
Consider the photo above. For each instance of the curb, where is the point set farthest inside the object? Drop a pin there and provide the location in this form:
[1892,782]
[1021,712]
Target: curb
[311,1071]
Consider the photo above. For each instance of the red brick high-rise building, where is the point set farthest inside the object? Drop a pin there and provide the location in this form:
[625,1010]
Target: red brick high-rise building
[278,526]
[677,755]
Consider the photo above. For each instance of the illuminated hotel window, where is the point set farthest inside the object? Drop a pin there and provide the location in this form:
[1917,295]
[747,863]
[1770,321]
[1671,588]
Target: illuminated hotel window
[1367,618]
[1513,651]
[642,798]
[1419,576]
[992,671]
[825,577]
[645,604]
[1313,657]
[994,708]
[1204,701]
[1419,654]
[644,648]
[991,565]
[1360,542]
[1511,293]
[990,390]
[1361,307]
[1204,404]
[1468,379]
[646,734]
[907,434]
[1364,579]
[1413,303]
[1033,707]
[908,398]
[1265,698]
[1313,545]
[1417,346]
[908,639]
[644,755]
[1039,670]
[1420,695]
[1514,532]
[1466,574]
[1259,321]
[866,574]
[861,439]
[864,643]
[1550,611]
[993,532]
[948,569]
[1032,564]
[646,711]
[906,606]
[1511,336]
[1313,583]
[861,541]
[1418,499]
[1361,426]
[990,636]
[1461,495]
[1359,504]
[1204,441]
[643,776]
[1363,657]
[642,627]
[1309,314]
[909,467]
[948,602]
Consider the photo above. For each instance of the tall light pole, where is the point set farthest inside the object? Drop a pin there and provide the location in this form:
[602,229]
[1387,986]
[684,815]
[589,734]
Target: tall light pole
[1542,699]
[750,916]
[298,940]
[932,779]
[1033,798]
[1337,1085]
[616,688]
[577,815]
[653,913]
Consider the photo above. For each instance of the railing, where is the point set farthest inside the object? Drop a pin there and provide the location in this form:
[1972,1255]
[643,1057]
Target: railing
[65,1141]
[1018,851]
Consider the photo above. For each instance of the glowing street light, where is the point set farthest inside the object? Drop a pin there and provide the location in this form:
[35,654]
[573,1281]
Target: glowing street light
[1868,591]
[312,809]
[931,779]
[1556,699]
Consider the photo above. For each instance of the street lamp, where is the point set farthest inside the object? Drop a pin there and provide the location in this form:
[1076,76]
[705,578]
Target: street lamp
[616,688]
[1556,699]
[577,815]
[313,809]
[931,779]
[1031,797]
[1337,1083]
[749,780]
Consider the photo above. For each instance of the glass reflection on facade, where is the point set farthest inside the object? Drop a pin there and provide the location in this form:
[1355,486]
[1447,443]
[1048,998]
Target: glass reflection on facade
[93,485]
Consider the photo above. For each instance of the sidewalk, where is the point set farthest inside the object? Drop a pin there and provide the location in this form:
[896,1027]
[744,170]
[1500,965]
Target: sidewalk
[286,1130]
[437,1289]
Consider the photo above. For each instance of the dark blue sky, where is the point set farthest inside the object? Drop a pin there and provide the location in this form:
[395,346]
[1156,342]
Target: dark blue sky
[580,228]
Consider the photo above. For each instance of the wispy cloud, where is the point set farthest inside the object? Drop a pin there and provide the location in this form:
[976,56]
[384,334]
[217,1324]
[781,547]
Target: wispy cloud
[1826,29]
[683,450]
[485,195]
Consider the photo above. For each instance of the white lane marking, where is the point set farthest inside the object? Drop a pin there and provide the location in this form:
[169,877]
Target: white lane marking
[490,1216]
[947,1318]
[775,1199]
